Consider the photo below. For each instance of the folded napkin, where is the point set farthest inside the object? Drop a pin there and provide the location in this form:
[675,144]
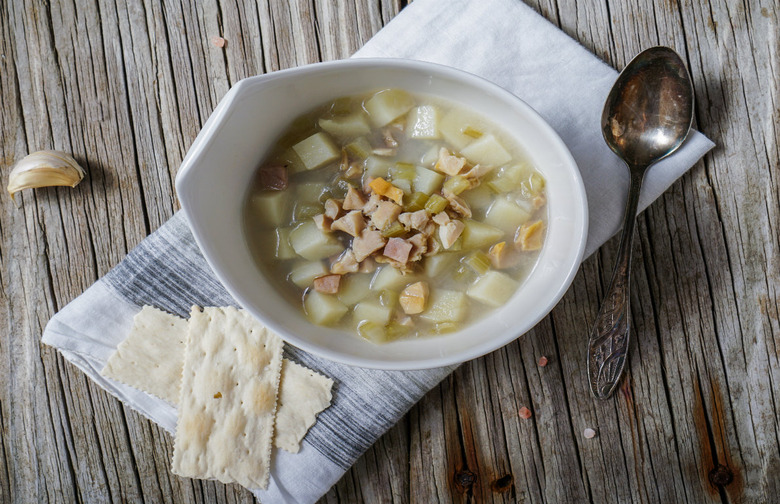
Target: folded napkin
[501,40]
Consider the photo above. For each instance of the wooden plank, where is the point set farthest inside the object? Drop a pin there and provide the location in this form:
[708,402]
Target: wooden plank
[126,86]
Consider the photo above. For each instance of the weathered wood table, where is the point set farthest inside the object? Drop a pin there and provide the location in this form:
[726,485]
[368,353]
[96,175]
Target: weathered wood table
[126,85]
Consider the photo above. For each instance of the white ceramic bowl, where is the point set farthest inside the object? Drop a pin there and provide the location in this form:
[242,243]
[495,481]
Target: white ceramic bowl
[213,180]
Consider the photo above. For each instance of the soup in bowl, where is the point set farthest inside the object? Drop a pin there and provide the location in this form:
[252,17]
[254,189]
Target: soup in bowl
[385,213]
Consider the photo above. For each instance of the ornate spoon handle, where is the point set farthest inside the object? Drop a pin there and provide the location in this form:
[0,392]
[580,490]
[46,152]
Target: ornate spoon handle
[608,343]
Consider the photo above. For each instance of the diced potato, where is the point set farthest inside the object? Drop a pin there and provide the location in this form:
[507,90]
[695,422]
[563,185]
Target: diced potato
[480,235]
[304,273]
[486,150]
[311,243]
[506,215]
[346,127]
[354,288]
[438,264]
[377,167]
[373,312]
[423,122]
[291,160]
[427,181]
[430,157]
[317,151]
[446,306]
[271,206]
[323,309]
[478,198]
[388,277]
[403,185]
[283,248]
[493,288]
[455,122]
[387,105]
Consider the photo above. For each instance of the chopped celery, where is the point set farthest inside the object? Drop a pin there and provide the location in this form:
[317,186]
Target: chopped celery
[477,261]
[304,211]
[436,204]
[388,298]
[472,132]
[359,148]
[416,202]
[393,230]
[395,331]
[372,332]
[457,184]
[405,171]
[532,186]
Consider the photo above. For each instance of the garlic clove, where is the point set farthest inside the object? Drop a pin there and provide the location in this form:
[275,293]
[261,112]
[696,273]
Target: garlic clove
[44,169]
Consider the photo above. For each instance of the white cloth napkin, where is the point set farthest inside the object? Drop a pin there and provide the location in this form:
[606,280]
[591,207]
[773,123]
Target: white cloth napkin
[502,40]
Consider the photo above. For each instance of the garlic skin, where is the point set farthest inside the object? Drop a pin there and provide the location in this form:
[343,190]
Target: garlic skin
[44,169]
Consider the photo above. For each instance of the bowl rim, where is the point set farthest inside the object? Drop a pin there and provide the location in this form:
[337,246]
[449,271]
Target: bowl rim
[205,138]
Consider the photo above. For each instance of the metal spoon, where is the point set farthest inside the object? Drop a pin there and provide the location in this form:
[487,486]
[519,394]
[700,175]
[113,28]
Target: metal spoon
[646,117]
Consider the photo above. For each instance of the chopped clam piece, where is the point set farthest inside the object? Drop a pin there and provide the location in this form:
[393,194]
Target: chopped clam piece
[353,223]
[450,232]
[503,256]
[346,263]
[332,208]
[323,222]
[386,212]
[530,236]
[367,243]
[414,297]
[354,200]
[449,164]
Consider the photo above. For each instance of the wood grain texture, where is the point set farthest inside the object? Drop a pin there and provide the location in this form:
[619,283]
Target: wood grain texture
[125,85]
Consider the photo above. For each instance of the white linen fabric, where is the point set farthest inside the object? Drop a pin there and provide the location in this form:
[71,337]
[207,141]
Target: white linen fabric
[503,41]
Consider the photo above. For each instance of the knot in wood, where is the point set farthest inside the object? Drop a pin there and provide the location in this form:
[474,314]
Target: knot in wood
[502,484]
[721,476]
[465,478]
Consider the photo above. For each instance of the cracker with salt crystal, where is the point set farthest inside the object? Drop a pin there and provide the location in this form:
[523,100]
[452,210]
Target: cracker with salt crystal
[303,393]
[228,398]
[151,357]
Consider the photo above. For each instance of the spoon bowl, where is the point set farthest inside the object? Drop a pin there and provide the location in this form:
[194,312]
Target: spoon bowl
[646,117]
